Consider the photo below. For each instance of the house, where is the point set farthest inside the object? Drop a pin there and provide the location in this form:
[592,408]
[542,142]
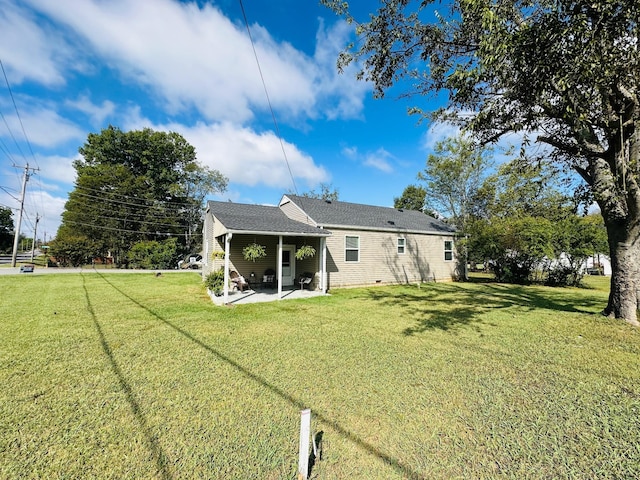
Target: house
[355,244]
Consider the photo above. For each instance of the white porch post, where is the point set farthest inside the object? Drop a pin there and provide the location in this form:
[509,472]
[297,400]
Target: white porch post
[323,274]
[279,267]
[227,250]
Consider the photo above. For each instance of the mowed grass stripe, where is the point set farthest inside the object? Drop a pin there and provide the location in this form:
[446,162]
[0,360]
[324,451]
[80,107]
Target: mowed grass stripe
[142,377]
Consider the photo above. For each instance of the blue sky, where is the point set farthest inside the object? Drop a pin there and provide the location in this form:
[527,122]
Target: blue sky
[77,67]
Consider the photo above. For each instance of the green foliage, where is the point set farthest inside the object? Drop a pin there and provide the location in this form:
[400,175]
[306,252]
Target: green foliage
[453,176]
[254,251]
[74,251]
[561,72]
[413,198]
[514,247]
[138,186]
[153,254]
[6,229]
[509,382]
[215,281]
[326,192]
[305,251]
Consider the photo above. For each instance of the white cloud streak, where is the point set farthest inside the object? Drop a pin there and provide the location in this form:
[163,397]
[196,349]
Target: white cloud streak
[207,62]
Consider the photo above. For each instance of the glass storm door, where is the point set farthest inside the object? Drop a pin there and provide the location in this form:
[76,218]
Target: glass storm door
[288,265]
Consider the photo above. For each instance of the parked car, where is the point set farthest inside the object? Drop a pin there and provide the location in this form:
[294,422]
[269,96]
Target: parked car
[192,261]
[27,268]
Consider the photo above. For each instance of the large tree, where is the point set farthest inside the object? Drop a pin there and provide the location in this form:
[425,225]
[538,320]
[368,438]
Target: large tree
[453,176]
[137,186]
[565,73]
[413,197]
[6,229]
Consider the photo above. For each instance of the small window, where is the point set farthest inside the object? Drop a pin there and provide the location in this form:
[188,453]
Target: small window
[352,249]
[448,250]
[401,246]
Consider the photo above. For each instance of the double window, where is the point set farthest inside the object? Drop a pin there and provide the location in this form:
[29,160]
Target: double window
[448,250]
[402,243]
[351,249]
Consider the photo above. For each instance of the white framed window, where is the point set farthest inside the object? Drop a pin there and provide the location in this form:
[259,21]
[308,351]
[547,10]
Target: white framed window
[402,244]
[351,248]
[448,250]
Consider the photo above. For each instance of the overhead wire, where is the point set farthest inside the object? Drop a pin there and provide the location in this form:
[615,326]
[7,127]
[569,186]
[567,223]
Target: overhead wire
[28,199]
[266,92]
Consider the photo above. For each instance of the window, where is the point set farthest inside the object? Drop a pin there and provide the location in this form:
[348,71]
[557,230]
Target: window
[401,246]
[448,250]
[352,249]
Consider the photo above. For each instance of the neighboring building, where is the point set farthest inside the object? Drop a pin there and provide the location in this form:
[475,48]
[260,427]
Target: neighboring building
[355,244]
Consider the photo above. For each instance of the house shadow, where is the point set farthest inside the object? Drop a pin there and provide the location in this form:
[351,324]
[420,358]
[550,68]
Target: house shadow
[157,453]
[404,469]
[451,306]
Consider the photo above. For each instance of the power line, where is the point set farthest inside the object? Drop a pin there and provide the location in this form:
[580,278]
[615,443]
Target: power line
[266,92]
[15,106]
[103,227]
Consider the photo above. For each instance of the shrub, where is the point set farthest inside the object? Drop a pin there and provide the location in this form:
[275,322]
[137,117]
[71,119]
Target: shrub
[215,282]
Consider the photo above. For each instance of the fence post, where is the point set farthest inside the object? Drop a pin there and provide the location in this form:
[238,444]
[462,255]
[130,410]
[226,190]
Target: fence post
[303,455]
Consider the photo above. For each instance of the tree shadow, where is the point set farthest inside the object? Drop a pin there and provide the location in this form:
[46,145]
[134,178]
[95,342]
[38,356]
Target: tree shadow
[395,463]
[451,306]
[156,450]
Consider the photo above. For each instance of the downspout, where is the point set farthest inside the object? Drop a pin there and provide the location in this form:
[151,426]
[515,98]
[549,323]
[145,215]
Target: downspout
[279,267]
[227,250]
[323,273]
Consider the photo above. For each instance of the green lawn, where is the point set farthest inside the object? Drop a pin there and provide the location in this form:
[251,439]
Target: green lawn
[135,376]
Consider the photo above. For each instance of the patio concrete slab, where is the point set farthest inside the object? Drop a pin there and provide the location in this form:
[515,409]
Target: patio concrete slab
[264,295]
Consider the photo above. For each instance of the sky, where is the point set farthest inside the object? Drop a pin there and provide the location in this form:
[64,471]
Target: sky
[72,68]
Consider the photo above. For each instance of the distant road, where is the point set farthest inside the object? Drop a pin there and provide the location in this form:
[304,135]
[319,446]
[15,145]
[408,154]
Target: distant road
[21,257]
[44,270]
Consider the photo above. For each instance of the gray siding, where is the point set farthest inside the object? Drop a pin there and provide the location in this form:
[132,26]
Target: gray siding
[293,212]
[380,263]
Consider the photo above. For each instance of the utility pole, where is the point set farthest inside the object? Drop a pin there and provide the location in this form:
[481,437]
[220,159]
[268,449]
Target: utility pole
[25,179]
[35,236]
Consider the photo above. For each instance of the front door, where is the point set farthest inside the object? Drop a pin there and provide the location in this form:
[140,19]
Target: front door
[288,265]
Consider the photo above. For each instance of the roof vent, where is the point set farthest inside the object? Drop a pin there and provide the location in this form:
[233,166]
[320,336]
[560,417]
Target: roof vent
[328,201]
[391,222]
[400,210]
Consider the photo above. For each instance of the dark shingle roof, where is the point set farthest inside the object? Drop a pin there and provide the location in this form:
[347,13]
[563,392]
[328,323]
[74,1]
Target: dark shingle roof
[242,217]
[334,214]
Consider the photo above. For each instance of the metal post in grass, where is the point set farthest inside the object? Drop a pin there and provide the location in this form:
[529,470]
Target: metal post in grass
[305,433]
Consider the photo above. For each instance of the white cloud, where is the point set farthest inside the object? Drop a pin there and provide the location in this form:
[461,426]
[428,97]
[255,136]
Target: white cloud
[195,57]
[56,168]
[252,158]
[43,125]
[245,156]
[96,113]
[27,51]
[380,160]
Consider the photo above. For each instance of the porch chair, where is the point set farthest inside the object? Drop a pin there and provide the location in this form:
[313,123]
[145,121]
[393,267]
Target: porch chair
[269,278]
[305,279]
[238,281]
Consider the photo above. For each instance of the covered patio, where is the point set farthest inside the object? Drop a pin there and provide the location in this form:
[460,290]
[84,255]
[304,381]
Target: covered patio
[275,275]
[260,295]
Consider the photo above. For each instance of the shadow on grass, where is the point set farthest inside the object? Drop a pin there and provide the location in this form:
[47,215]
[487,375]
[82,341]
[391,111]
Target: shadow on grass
[156,450]
[450,306]
[399,466]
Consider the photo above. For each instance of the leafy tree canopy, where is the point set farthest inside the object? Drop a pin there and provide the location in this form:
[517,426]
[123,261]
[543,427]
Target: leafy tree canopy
[326,192]
[453,176]
[6,229]
[565,73]
[413,198]
[136,186]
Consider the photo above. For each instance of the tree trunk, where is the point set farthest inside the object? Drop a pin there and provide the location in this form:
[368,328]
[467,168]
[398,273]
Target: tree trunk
[624,298]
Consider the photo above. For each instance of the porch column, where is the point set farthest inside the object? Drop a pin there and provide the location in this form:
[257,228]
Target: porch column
[227,251]
[323,267]
[279,267]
